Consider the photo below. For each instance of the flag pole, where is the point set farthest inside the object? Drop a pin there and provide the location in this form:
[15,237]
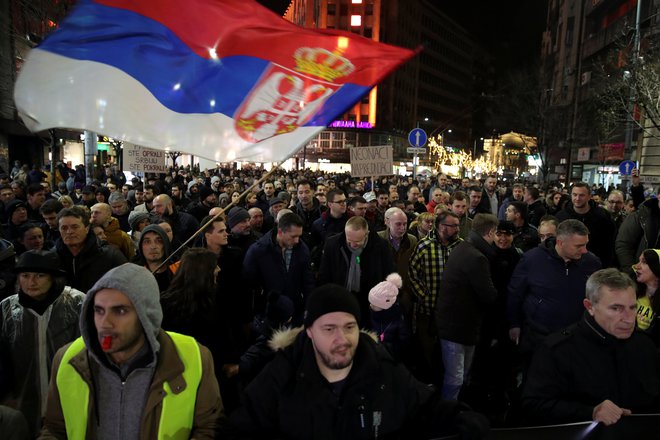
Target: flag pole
[226,208]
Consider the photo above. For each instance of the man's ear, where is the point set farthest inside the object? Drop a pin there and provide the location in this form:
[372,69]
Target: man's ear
[309,332]
[589,306]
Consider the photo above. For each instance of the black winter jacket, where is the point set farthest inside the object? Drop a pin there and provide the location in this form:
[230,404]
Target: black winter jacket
[466,290]
[379,399]
[639,231]
[264,270]
[93,261]
[601,230]
[580,367]
[376,263]
[546,292]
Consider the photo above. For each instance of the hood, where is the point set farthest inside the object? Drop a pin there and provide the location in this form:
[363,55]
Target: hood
[140,286]
[113,225]
[285,337]
[158,230]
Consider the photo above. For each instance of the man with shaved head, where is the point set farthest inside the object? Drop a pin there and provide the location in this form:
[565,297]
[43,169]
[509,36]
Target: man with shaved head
[183,224]
[102,216]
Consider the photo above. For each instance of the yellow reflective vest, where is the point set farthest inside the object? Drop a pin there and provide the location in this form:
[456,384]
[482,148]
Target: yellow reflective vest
[178,410]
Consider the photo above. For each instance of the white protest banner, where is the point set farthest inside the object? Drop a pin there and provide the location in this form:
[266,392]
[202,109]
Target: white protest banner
[371,161]
[142,159]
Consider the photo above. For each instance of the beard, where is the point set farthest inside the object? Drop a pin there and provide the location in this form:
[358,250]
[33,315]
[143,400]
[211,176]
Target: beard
[335,362]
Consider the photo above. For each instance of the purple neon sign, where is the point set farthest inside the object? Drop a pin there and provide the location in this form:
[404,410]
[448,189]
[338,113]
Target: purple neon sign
[350,124]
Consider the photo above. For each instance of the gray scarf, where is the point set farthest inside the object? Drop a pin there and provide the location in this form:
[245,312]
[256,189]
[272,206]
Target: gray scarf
[354,271]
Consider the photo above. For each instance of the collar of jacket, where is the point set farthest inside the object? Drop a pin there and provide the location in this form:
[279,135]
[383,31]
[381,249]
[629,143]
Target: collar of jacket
[91,242]
[481,244]
[596,332]
[169,367]
[299,349]
[405,240]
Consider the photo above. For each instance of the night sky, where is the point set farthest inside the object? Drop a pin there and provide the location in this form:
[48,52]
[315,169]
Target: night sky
[512,29]
[509,28]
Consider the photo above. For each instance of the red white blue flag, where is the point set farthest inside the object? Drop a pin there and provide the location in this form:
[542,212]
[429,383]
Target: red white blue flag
[221,79]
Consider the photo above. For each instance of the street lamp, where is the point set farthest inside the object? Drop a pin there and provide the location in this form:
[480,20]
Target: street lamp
[446,129]
[442,136]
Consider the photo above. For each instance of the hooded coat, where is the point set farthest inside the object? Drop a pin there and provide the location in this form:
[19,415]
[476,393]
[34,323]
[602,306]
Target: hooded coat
[379,398]
[117,237]
[28,342]
[162,278]
[126,401]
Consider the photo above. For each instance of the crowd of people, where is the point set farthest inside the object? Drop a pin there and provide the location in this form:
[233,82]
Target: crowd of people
[314,305]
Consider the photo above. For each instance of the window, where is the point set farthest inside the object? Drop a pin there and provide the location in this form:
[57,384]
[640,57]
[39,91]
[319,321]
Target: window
[356,20]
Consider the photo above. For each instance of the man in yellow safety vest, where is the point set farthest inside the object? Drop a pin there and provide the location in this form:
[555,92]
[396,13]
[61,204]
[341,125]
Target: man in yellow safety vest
[126,377]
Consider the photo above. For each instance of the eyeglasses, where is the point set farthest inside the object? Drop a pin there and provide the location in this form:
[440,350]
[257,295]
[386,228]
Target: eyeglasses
[615,202]
[449,226]
[340,202]
[545,236]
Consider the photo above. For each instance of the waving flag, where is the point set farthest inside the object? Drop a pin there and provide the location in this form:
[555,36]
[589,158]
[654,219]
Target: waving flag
[221,79]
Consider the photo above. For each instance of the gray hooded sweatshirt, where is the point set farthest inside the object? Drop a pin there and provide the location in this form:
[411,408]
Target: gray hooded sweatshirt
[121,391]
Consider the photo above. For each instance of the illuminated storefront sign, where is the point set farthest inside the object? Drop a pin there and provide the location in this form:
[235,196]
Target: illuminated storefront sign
[350,124]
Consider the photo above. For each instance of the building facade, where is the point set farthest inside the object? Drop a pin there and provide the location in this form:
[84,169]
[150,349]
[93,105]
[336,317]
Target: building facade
[434,90]
[586,52]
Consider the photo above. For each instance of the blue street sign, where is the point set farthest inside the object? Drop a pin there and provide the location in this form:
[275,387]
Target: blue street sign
[417,137]
[626,167]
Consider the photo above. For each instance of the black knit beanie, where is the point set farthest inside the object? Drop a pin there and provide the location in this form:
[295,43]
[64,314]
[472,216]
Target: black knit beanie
[327,299]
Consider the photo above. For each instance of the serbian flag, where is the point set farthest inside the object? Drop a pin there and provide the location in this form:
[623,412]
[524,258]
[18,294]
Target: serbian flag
[222,79]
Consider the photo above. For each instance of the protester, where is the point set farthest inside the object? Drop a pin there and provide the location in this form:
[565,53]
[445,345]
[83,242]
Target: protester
[387,318]
[328,379]
[34,323]
[599,369]
[124,366]
[647,274]
[82,257]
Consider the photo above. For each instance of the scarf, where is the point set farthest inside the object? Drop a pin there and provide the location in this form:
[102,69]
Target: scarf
[354,271]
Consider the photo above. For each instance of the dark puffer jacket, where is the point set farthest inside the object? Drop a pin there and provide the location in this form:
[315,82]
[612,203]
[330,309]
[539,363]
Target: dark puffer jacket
[379,398]
[546,292]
